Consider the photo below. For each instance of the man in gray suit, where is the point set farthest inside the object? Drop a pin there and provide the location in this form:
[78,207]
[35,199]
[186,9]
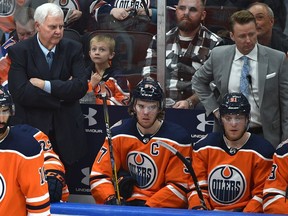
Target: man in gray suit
[267,78]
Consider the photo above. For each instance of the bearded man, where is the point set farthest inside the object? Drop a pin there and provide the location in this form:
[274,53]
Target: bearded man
[188,46]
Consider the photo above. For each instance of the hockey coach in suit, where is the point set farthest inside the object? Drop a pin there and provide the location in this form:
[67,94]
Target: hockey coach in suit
[267,79]
[47,97]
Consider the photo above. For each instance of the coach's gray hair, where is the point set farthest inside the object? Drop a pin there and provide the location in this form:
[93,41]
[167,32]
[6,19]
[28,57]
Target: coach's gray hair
[46,9]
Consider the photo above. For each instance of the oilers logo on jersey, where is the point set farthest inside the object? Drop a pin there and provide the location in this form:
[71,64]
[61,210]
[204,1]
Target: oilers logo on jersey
[2,187]
[72,4]
[7,8]
[130,3]
[143,168]
[226,184]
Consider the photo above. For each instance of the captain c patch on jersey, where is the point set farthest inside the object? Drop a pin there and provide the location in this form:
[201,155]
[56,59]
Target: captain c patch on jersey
[227,184]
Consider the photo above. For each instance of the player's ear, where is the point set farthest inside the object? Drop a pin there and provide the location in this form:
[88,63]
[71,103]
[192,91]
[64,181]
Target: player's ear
[248,120]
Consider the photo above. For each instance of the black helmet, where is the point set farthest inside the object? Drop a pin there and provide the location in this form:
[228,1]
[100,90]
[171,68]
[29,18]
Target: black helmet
[6,100]
[234,103]
[148,89]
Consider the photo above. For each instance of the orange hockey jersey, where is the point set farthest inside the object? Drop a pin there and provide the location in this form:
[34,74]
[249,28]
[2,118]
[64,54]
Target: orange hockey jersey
[162,180]
[115,94]
[52,164]
[23,188]
[276,186]
[7,11]
[231,179]
[115,85]
[5,63]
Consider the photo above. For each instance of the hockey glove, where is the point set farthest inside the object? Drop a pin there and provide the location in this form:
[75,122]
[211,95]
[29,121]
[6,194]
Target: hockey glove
[55,185]
[125,183]
[112,200]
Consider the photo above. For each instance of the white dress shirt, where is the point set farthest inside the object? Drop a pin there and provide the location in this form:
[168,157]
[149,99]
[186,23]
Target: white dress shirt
[234,82]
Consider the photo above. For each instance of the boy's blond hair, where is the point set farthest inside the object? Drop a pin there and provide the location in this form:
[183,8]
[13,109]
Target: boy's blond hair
[109,40]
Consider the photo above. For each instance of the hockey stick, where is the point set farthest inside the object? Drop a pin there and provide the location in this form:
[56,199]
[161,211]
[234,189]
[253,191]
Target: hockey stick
[190,169]
[109,137]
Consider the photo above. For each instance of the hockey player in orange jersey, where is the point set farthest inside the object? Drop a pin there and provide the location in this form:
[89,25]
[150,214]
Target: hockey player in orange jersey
[232,166]
[23,188]
[276,186]
[55,172]
[154,176]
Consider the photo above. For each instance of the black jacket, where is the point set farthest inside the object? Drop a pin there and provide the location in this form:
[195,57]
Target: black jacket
[59,111]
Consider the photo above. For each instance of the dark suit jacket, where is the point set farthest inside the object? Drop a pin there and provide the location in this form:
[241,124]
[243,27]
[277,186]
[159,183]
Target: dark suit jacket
[272,87]
[279,41]
[59,110]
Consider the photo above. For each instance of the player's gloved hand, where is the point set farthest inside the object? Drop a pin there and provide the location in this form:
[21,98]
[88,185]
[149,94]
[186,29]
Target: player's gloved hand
[55,184]
[112,200]
[125,183]
[198,208]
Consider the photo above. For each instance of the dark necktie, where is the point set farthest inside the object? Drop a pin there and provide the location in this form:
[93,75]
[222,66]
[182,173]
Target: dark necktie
[49,58]
[244,84]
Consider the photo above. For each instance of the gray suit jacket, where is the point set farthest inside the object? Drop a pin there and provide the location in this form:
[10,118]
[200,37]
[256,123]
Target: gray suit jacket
[273,87]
